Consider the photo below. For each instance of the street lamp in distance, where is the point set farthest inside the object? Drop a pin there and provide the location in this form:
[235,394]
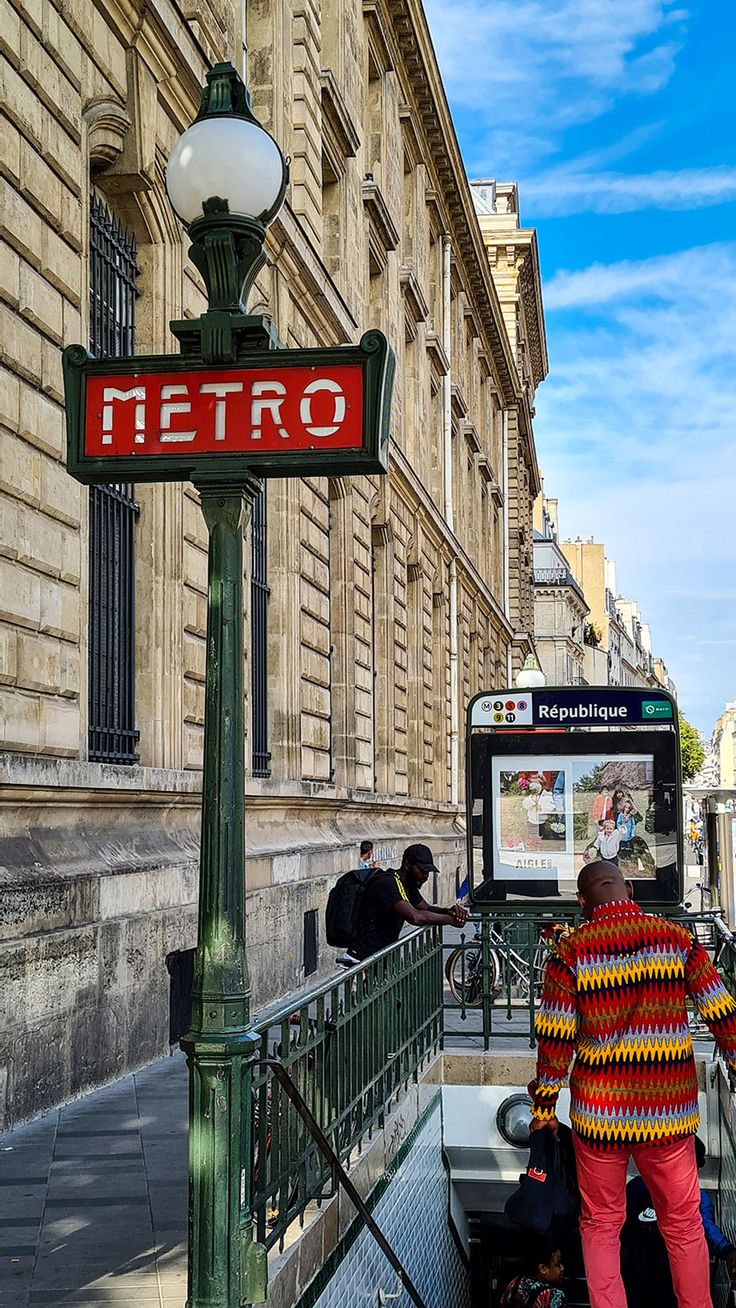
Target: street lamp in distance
[531,676]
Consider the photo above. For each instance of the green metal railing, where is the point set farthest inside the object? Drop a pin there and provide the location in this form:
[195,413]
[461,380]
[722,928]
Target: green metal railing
[352,1044]
[494,972]
[349,1046]
[493,976]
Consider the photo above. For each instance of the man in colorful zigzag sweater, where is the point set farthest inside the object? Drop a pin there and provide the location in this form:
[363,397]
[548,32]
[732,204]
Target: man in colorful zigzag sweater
[615,997]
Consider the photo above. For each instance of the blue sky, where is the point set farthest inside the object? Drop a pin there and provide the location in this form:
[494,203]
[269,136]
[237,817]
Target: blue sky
[617,119]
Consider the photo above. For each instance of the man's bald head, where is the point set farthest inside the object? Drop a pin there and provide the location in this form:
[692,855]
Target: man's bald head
[600,883]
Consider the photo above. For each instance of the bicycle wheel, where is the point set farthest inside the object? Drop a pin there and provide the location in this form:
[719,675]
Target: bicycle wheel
[465,975]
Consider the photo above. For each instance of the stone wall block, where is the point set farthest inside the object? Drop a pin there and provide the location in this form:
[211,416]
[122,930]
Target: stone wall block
[19,721]
[39,184]
[59,609]
[10,143]
[60,40]
[20,345]
[52,380]
[39,663]
[42,422]
[62,154]
[21,103]
[21,226]
[8,655]
[20,595]
[192,745]
[70,564]
[37,541]
[19,470]
[50,84]
[69,670]
[9,275]
[60,495]
[61,266]
[194,657]
[59,726]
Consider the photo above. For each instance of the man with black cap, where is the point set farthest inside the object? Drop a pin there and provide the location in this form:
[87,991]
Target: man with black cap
[393,898]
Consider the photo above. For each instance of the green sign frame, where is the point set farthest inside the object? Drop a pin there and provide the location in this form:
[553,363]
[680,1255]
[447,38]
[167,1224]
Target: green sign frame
[373,354]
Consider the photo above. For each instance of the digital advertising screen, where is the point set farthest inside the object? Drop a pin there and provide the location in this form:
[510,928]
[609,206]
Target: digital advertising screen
[546,800]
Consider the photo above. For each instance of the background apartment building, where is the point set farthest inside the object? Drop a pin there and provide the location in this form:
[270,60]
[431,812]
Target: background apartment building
[618,644]
[375,607]
[560,608]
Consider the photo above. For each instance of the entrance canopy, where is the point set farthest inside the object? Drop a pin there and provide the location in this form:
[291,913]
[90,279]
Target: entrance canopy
[559,777]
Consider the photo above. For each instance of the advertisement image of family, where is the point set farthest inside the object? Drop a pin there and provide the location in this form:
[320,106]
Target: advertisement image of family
[613,804]
[534,806]
[550,821]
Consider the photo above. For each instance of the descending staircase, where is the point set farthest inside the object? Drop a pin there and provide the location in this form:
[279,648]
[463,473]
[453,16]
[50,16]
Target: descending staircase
[497,1256]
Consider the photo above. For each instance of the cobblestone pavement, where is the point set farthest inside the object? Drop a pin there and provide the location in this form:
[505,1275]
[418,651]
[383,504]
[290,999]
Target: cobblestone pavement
[93,1198]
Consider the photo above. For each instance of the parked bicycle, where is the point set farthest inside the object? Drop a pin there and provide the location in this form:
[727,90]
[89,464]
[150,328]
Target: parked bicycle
[508,969]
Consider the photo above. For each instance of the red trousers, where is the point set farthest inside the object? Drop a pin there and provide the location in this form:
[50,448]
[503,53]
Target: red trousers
[671,1176]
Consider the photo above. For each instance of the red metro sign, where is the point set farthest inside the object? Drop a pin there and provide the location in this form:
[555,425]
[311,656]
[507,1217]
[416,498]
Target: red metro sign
[277,413]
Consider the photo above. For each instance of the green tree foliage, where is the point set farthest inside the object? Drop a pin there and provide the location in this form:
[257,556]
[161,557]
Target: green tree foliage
[691,748]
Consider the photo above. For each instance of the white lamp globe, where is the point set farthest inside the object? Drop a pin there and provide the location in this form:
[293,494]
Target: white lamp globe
[229,157]
[531,676]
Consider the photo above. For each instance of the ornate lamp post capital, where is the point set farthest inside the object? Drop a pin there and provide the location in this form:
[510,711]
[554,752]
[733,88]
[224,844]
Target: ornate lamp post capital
[225,92]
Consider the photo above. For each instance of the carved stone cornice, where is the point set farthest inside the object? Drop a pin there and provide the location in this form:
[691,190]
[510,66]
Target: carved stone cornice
[108,122]
[383,229]
[470,432]
[459,403]
[379,35]
[340,138]
[413,147]
[415,302]
[438,360]
[443,156]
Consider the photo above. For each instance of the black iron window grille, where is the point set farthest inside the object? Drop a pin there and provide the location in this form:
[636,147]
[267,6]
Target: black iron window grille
[112,509]
[259,593]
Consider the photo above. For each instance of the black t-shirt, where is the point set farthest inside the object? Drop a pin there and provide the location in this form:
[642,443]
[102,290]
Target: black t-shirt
[379,925]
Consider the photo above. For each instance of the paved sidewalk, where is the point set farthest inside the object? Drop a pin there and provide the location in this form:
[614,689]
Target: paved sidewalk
[93,1198]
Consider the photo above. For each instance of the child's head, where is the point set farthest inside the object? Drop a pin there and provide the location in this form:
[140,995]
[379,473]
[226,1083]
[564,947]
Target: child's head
[628,808]
[700,1152]
[609,826]
[545,1259]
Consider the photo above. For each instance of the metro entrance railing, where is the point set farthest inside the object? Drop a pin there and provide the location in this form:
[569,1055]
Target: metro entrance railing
[351,1045]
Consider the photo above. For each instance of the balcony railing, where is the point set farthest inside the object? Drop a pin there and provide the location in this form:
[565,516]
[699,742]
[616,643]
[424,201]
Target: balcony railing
[556,577]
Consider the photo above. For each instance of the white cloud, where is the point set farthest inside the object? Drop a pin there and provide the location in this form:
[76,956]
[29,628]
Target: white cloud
[567,190]
[554,62]
[635,432]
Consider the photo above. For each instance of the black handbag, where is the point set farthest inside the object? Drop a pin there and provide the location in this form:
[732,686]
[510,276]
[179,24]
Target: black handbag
[545,1197]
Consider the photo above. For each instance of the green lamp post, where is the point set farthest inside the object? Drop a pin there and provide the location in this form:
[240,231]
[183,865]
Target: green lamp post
[226,180]
[243,406]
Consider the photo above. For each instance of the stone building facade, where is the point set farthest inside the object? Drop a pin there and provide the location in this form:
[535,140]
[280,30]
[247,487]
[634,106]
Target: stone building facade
[384,603]
[619,652]
[560,608]
[513,258]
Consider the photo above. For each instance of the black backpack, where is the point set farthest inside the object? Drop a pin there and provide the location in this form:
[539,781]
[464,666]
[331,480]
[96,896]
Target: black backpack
[545,1197]
[344,902]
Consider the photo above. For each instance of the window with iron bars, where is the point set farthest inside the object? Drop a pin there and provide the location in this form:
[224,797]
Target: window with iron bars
[112,509]
[259,593]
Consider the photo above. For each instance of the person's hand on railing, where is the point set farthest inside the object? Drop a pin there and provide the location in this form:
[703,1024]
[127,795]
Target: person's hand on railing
[460,913]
